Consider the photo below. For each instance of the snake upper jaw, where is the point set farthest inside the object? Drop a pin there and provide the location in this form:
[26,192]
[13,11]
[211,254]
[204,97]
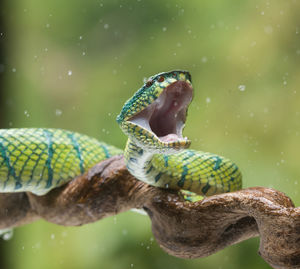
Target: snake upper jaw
[163,120]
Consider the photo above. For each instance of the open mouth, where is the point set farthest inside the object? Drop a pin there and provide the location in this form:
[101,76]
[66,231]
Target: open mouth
[165,117]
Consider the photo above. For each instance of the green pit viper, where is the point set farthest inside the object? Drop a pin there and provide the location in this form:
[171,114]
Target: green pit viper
[37,160]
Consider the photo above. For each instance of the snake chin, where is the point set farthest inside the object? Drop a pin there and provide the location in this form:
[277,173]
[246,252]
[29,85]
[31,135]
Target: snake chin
[166,116]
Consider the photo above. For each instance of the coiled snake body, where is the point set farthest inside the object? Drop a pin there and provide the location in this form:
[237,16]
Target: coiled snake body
[37,160]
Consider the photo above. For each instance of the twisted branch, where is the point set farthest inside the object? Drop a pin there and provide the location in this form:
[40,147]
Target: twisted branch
[183,229]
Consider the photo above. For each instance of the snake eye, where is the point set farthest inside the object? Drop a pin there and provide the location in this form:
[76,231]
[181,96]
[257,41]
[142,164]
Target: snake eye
[149,83]
[161,79]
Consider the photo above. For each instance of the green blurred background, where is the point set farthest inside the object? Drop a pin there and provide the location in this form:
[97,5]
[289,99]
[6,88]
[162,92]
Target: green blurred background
[72,64]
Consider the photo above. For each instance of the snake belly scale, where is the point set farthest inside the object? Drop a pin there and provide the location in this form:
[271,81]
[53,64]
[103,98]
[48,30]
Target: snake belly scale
[37,159]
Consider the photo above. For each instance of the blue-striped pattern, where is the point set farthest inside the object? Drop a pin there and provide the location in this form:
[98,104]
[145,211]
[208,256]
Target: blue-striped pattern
[38,160]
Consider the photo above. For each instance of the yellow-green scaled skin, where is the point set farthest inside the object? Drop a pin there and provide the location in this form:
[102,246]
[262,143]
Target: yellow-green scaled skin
[171,165]
[197,171]
[38,160]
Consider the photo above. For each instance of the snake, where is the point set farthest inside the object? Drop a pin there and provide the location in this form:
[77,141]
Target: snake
[37,160]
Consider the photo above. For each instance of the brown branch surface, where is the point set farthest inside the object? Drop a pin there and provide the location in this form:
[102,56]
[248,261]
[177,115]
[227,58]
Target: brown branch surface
[183,229]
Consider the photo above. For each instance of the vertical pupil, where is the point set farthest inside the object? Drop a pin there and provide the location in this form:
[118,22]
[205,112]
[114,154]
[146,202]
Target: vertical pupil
[161,79]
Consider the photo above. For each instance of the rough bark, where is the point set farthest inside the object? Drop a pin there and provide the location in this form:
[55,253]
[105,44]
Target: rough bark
[183,229]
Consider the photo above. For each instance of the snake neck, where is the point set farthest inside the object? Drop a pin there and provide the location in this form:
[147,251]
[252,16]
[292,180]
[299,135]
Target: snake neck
[138,162]
[152,167]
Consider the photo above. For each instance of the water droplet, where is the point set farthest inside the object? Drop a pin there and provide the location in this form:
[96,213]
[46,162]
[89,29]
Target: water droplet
[204,59]
[6,234]
[268,29]
[58,112]
[242,88]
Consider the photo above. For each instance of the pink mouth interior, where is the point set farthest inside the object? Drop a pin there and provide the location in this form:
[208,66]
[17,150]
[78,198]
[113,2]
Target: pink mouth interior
[165,117]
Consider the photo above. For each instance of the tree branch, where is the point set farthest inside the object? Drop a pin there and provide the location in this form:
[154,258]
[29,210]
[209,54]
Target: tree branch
[183,229]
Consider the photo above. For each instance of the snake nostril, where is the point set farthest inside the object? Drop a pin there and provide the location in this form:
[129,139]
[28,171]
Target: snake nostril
[149,83]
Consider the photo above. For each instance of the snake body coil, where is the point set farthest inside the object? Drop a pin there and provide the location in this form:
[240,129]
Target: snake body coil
[37,160]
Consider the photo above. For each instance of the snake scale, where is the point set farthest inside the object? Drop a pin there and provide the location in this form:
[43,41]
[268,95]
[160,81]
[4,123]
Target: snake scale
[37,160]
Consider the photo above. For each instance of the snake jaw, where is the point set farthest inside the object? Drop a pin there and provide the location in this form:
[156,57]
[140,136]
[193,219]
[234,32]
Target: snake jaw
[163,120]
[169,111]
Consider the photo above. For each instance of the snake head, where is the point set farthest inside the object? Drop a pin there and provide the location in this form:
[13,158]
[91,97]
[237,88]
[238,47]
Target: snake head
[154,117]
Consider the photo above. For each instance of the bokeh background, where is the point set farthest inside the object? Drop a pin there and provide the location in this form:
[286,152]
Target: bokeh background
[72,64]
